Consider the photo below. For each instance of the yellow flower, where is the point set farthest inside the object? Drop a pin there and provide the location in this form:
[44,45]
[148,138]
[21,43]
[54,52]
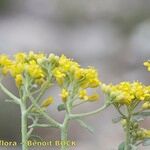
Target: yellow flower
[139,90]
[93,98]
[123,98]
[64,95]
[83,94]
[47,102]
[35,56]
[16,68]
[65,63]
[18,80]
[4,60]
[94,83]
[91,78]
[146,133]
[35,70]
[79,73]
[59,75]
[5,70]
[142,133]
[147,64]
[20,57]
[146,105]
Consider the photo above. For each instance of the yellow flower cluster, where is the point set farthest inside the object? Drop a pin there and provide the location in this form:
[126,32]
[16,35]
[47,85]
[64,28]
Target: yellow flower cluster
[141,134]
[147,64]
[34,70]
[88,76]
[71,71]
[64,70]
[126,92]
[22,63]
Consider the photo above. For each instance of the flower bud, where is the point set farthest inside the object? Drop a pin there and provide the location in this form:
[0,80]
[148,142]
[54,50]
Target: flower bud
[123,122]
[146,105]
[134,134]
[135,125]
[53,58]
[18,80]
[93,97]
[64,95]
[113,95]
[139,134]
[105,88]
[41,60]
[119,97]
[47,102]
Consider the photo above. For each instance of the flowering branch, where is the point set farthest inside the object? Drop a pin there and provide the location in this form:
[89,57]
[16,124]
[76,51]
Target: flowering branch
[34,74]
[133,98]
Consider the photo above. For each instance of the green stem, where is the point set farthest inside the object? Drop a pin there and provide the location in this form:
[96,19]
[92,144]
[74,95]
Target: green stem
[42,91]
[75,116]
[23,116]
[7,92]
[64,131]
[32,127]
[24,127]
[127,141]
[120,112]
[128,137]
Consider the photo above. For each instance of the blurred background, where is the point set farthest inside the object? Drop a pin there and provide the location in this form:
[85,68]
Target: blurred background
[112,35]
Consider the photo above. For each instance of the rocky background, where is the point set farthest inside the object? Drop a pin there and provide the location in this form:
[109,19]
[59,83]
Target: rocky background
[112,35]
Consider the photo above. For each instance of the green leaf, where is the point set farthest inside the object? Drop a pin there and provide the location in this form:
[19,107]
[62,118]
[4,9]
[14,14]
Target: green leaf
[121,146]
[145,114]
[61,107]
[84,125]
[117,119]
[146,142]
